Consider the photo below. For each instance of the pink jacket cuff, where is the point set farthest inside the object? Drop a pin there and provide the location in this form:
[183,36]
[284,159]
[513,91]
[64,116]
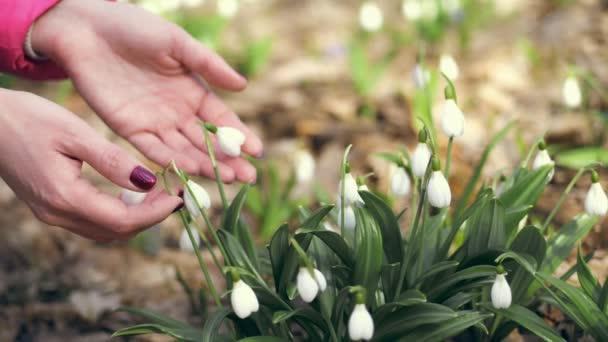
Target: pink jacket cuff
[16,17]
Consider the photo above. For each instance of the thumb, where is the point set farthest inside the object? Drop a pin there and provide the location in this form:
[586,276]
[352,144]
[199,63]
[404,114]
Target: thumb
[112,161]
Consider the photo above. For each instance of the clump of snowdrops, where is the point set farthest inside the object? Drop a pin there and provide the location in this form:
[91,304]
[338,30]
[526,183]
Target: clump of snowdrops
[473,268]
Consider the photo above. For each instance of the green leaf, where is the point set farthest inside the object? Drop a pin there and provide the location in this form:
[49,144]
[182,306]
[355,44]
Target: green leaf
[213,324]
[257,55]
[306,313]
[263,339]
[278,249]
[336,243]
[460,299]
[436,269]
[231,218]
[486,230]
[581,157]
[157,318]
[407,298]
[313,221]
[368,258]
[402,321]
[472,183]
[527,188]
[588,281]
[246,240]
[182,334]
[528,320]
[445,329]
[531,242]
[236,255]
[290,265]
[391,233]
[467,274]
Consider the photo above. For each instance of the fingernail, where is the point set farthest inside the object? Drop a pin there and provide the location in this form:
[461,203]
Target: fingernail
[181,193]
[181,205]
[142,178]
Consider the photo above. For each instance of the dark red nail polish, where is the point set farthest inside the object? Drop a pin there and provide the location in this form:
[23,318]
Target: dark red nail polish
[181,205]
[142,178]
[181,193]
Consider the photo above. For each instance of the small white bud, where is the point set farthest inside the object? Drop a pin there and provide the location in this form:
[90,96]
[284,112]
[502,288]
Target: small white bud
[130,197]
[351,191]
[400,182]
[201,196]
[420,159]
[360,324]
[412,9]
[421,76]
[438,191]
[350,220]
[304,164]
[501,293]
[370,16]
[227,8]
[543,158]
[184,240]
[230,140]
[243,300]
[452,119]
[571,92]
[309,286]
[596,202]
[449,67]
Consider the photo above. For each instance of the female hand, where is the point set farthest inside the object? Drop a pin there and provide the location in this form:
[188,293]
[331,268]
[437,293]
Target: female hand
[140,74]
[42,149]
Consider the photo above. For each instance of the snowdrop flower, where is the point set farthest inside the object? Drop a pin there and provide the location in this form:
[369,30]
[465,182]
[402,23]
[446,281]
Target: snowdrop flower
[452,7]
[360,323]
[309,286]
[130,197]
[501,291]
[596,202]
[412,9]
[243,299]
[370,16]
[350,220]
[452,120]
[227,8]
[184,240]
[400,182]
[438,189]
[201,195]
[192,3]
[421,155]
[230,140]
[543,158]
[571,92]
[351,191]
[304,164]
[421,76]
[448,66]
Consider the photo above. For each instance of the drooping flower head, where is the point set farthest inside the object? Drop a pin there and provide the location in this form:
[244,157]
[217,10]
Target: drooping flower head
[370,16]
[360,323]
[448,66]
[439,192]
[596,202]
[200,196]
[421,155]
[309,285]
[243,300]
[571,92]
[184,240]
[400,182]
[543,158]
[501,291]
[452,119]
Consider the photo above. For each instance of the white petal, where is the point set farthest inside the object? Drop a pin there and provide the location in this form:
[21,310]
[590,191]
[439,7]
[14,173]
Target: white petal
[400,182]
[452,120]
[351,191]
[421,76]
[230,140]
[412,9]
[129,197]
[420,159]
[501,293]
[448,66]
[439,192]
[320,280]
[227,8]
[571,92]
[201,196]
[350,220]
[184,240]
[596,202]
[363,187]
[543,158]
[370,16]
[304,164]
[360,324]
[307,285]
[243,300]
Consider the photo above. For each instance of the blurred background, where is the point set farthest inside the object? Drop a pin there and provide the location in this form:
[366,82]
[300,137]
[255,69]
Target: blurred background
[324,74]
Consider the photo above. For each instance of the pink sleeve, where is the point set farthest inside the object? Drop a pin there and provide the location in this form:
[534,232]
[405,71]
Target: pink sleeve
[16,17]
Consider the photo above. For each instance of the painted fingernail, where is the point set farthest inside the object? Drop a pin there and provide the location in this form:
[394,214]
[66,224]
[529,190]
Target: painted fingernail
[142,178]
[181,205]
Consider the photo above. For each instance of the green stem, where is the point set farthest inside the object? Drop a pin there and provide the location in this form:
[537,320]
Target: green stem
[562,199]
[449,158]
[216,170]
[207,246]
[201,262]
[214,233]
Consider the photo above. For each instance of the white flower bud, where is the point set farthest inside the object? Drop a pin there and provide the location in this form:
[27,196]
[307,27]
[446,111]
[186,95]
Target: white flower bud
[227,8]
[360,324]
[230,140]
[304,164]
[420,159]
[400,182]
[351,191]
[571,92]
[543,158]
[184,240]
[452,119]
[309,287]
[421,76]
[363,187]
[438,191]
[449,67]
[501,293]
[350,220]
[243,300]
[370,16]
[412,9]
[192,3]
[201,196]
[130,197]
[596,202]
